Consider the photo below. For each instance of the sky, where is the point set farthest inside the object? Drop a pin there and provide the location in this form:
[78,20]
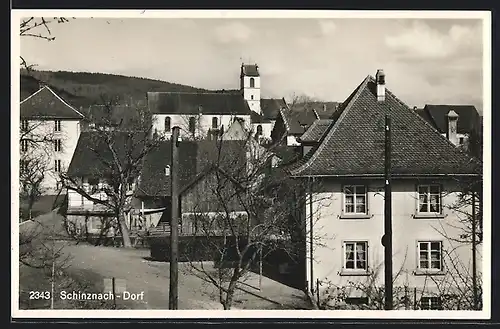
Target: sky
[426,61]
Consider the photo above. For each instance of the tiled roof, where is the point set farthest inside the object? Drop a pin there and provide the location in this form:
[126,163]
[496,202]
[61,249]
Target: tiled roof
[45,103]
[194,157]
[270,107]
[92,156]
[468,117]
[111,115]
[298,119]
[316,130]
[354,144]
[215,103]
[250,70]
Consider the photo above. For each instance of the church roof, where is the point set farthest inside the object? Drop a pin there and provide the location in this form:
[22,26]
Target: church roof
[250,70]
[218,103]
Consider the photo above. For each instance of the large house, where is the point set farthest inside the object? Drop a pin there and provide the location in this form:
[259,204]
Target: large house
[50,128]
[344,169]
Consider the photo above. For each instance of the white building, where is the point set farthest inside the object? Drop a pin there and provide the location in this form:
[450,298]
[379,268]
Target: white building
[50,128]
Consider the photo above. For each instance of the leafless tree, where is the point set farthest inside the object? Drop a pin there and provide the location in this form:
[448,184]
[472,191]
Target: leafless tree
[244,211]
[118,146]
[38,27]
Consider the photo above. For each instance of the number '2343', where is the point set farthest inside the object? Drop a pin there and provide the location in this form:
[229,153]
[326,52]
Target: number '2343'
[39,295]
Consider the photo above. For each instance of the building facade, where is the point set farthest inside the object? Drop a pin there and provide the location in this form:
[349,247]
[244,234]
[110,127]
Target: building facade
[344,214]
[50,128]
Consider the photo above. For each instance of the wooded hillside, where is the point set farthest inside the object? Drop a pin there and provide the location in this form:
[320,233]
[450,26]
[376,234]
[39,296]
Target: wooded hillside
[84,89]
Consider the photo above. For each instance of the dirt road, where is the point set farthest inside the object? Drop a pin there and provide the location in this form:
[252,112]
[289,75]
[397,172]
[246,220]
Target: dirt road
[133,267]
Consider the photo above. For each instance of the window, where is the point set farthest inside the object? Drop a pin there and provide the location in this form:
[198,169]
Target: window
[192,125]
[355,255]
[429,256]
[251,97]
[57,165]
[429,199]
[57,126]
[461,141]
[24,125]
[24,145]
[252,82]
[167,124]
[357,300]
[167,170]
[57,145]
[215,123]
[355,199]
[259,130]
[430,303]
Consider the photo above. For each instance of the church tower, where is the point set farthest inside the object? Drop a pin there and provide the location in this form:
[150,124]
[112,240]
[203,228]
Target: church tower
[250,86]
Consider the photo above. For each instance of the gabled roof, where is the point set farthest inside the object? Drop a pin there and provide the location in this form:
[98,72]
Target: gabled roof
[214,103]
[46,104]
[354,143]
[315,131]
[194,157]
[270,107]
[298,120]
[92,156]
[468,117]
[250,70]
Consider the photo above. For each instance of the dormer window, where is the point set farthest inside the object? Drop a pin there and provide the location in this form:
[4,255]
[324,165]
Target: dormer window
[167,170]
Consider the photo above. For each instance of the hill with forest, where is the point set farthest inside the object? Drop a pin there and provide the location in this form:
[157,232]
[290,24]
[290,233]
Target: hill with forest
[82,89]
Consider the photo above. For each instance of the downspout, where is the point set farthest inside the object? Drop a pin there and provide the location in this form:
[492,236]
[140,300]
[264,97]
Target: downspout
[311,235]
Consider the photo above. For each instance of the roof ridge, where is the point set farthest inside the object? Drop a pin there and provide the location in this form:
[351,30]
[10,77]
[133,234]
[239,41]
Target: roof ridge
[63,101]
[283,116]
[194,93]
[331,129]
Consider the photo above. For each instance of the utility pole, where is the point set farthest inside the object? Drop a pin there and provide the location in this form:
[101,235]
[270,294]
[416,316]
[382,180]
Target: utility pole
[174,221]
[387,238]
[474,262]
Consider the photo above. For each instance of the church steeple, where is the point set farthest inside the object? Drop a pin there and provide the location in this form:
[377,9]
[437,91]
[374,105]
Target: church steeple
[250,85]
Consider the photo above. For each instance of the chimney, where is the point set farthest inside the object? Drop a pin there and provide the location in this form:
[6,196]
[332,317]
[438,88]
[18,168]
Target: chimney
[451,132]
[380,77]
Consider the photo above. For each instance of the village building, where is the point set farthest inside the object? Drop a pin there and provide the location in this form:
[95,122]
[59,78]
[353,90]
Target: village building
[456,122]
[50,128]
[344,215]
[91,169]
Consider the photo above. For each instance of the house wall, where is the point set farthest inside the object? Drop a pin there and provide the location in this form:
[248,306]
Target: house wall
[267,128]
[204,123]
[330,230]
[69,134]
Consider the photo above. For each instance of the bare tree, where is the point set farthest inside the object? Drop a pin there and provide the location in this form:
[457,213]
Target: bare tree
[38,27]
[118,146]
[244,210]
